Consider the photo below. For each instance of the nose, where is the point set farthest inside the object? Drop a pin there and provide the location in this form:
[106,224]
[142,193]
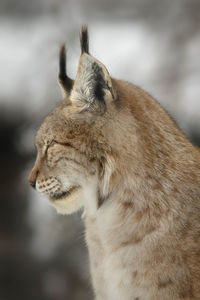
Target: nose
[32,184]
[32,177]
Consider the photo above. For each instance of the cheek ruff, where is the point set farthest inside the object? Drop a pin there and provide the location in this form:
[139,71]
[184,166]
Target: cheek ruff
[63,194]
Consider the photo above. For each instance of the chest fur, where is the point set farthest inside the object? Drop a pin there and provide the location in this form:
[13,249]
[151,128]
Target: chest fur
[135,257]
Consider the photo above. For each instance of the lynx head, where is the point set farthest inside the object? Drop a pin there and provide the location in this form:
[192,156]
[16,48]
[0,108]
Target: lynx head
[78,142]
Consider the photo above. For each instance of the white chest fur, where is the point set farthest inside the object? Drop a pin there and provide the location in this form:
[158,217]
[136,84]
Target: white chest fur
[114,265]
[131,260]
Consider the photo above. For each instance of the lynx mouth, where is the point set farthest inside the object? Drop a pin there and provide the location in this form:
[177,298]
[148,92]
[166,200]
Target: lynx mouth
[64,194]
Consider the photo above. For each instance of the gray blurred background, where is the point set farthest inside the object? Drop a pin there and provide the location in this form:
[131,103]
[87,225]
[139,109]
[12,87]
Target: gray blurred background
[153,43]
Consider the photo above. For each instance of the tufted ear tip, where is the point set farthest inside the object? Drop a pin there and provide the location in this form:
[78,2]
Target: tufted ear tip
[92,89]
[65,82]
[84,39]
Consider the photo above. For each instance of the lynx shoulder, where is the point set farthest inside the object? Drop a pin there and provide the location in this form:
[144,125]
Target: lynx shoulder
[110,149]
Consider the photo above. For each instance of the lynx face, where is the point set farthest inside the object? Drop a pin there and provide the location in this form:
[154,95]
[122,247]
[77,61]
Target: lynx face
[64,175]
[66,171]
[71,165]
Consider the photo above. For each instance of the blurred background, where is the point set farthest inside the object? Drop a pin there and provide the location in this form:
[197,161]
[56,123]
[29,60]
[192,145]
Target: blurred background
[153,43]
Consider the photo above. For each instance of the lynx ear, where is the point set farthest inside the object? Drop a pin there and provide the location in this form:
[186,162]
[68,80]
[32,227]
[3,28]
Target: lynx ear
[92,88]
[64,81]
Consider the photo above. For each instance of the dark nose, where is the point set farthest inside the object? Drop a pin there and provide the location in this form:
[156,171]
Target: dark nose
[32,184]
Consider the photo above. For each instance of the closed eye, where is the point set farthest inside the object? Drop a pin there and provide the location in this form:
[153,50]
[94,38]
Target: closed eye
[65,144]
[49,145]
[56,142]
[46,149]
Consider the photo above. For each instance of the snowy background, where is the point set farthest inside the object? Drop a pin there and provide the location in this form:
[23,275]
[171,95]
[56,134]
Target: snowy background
[153,43]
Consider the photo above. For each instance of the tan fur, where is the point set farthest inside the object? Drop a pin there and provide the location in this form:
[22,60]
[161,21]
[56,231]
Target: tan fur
[137,177]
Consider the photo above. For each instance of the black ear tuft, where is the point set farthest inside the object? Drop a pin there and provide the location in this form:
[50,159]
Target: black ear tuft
[64,80]
[84,39]
[62,62]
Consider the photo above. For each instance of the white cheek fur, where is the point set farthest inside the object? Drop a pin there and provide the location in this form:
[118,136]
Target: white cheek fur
[90,196]
[85,196]
[70,204]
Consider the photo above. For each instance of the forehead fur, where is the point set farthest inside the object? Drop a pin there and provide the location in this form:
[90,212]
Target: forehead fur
[92,132]
[67,125]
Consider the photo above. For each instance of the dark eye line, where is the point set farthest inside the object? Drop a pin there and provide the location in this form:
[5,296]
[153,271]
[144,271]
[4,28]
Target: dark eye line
[48,145]
[65,144]
[59,143]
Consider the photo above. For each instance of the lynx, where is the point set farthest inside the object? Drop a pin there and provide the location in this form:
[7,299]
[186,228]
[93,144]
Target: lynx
[112,150]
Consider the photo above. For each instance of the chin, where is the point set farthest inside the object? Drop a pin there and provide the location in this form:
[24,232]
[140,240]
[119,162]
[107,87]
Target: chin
[69,202]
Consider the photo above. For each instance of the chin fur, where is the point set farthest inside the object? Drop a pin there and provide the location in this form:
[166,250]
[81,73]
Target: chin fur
[68,204]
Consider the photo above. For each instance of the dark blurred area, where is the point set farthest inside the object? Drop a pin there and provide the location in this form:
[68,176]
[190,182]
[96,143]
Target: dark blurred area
[154,44]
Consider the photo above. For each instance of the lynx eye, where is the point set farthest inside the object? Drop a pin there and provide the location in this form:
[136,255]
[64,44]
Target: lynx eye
[46,149]
[53,142]
[48,145]
[66,144]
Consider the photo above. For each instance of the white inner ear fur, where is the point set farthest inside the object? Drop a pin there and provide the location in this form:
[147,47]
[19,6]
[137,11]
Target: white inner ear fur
[87,76]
